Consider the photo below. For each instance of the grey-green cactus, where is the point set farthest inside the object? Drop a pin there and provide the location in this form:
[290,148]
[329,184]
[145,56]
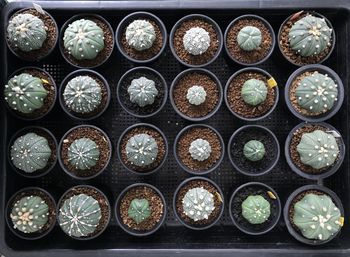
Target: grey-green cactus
[79,215]
[29,214]
[317,217]
[83,39]
[254,150]
[30,152]
[310,36]
[83,153]
[316,93]
[139,210]
[196,41]
[82,94]
[249,38]
[140,35]
[25,93]
[26,32]
[254,92]
[200,149]
[141,150]
[142,91]
[256,209]
[198,203]
[196,95]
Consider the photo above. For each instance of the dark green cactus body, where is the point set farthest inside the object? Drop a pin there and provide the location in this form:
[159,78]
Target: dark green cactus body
[139,210]
[83,153]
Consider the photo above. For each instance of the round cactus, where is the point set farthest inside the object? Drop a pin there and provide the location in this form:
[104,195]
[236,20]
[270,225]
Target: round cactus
[198,203]
[139,210]
[318,149]
[316,93]
[141,150]
[83,39]
[142,91]
[249,38]
[254,150]
[254,92]
[82,94]
[83,153]
[200,149]
[79,215]
[30,152]
[317,217]
[310,36]
[140,35]
[256,209]
[25,93]
[196,95]
[29,214]
[196,41]
[26,32]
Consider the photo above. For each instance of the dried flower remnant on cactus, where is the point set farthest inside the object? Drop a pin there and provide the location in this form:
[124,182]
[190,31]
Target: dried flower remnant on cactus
[200,149]
[249,38]
[83,153]
[196,41]
[139,210]
[142,91]
[140,35]
[141,150]
[196,95]
[256,209]
[254,150]
[198,204]
[254,92]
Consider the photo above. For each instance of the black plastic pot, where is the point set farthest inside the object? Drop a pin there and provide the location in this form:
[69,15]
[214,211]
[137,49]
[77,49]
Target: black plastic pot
[202,71]
[130,230]
[192,17]
[322,70]
[27,192]
[198,172]
[130,18]
[332,169]
[84,72]
[292,229]
[275,219]
[146,70]
[269,133]
[266,23]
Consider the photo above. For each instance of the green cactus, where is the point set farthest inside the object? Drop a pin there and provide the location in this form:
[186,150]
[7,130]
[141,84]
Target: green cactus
[139,210]
[256,209]
[83,153]
[317,217]
[198,203]
[310,36]
[254,92]
[249,38]
[79,215]
[142,91]
[140,35]
[26,32]
[83,39]
[196,41]
[318,149]
[254,150]
[141,150]
[196,95]
[29,214]
[200,149]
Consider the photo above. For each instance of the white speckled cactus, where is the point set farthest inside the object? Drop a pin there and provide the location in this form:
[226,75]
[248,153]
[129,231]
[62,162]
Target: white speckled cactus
[140,35]
[254,150]
[83,153]
[141,150]
[249,38]
[196,95]
[254,92]
[256,209]
[196,41]
[200,149]
[198,203]
[142,91]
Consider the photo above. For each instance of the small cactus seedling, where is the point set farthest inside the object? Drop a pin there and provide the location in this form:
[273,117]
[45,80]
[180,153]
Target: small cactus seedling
[317,217]
[256,209]
[196,95]
[254,92]
[254,150]
[142,91]
[29,214]
[200,149]
[139,210]
[198,203]
[249,38]
[196,41]
[141,150]
[83,153]
[140,35]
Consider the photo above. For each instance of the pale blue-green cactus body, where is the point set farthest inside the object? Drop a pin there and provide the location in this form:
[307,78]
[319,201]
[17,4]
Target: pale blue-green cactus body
[141,150]
[140,35]
[142,91]
[196,41]
[198,204]
[200,149]
[196,95]
[254,92]
[139,210]
[254,150]
[83,153]
[256,209]
[249,38]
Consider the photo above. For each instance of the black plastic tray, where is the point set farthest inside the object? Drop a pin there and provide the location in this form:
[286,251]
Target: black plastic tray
[173,239]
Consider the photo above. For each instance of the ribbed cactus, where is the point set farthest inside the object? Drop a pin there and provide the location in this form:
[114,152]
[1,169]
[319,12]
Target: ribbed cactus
[82,94]
[142,91]
[317,217]
[254,150]
[200,149]
[27,32]
[310,36]
[141,150]
[318,149]
[249,38]
[316,93]
[254,92]
[79,215]
[140,35]
[83,153]
[256,209]
[198,203]
[29,214]
[196,41]
[30,152]
[196,95]
[139,210]
[83,39]
[25,93]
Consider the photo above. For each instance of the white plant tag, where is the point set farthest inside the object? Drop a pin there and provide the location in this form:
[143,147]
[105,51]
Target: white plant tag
[38,8]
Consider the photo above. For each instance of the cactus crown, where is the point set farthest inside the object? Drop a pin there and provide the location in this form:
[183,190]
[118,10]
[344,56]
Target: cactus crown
[83,153]
[139,210]
[142,91]
[254,150]
[317,217]
[249,38]
[316,93]
[198,203]
[318,149]
[83,39]
[27,32]
[196,95]
[196,41]
[310,36]
[200,149]
[79,215]
[29,214]
[140,35]
[141,150]
[254,92]
[256,209]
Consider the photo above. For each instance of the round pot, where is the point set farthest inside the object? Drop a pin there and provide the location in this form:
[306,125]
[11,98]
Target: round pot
[130,230]
[275,148]
[292,229]
[121,95]
[94,75]
[322,70]
[26,192]
[130,18]
[201,71]
[198,172]
[272,223]
[322,175]
[267,25]
[192,17]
